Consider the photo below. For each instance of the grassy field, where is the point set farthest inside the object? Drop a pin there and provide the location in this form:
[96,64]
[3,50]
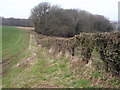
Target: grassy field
[0,43]
[0,56]
[14,41]
[14,47]
[27,65]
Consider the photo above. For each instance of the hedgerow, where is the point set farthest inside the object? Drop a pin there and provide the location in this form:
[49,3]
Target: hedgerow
[106,44]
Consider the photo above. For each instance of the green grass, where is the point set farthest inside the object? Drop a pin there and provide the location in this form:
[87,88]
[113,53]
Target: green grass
[0,55]
[80,83]
[52,71]
[0,43]
[15,43]
[48,70]
[96,74]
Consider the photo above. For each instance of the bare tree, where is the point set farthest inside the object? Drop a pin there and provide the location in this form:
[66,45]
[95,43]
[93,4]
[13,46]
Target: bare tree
[53,20]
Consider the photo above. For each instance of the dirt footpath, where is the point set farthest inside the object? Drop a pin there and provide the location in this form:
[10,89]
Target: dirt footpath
[26,28]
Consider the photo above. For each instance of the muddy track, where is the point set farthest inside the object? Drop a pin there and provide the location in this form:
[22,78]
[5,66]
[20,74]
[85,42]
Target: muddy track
[31,59]
[32,49]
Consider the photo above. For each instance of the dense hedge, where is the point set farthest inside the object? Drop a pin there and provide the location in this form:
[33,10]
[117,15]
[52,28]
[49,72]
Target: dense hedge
[106,44]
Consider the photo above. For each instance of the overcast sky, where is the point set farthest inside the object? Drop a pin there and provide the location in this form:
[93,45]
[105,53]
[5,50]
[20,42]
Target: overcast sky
[22,8]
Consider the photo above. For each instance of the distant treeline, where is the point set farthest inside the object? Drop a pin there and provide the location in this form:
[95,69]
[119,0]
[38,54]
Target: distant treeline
[115,25]
[53,20]
[16,22]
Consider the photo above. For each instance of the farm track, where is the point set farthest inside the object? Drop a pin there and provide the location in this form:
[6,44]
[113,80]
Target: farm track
[24,65]
[32,59]
[32,49]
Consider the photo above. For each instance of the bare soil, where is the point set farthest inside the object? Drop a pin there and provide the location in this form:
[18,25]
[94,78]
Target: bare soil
[26,28]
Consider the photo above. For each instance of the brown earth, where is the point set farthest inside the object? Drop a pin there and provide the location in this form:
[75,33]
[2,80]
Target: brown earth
[26,28]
